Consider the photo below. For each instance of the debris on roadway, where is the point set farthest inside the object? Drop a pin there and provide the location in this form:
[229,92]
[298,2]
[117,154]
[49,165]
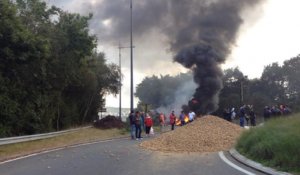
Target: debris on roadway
[205,134]
[109,122]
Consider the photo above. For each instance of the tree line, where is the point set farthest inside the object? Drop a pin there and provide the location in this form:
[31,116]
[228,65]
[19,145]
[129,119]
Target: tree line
[51,75]
[278,85]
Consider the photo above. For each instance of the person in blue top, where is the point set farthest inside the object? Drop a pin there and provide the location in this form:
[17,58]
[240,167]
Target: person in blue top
[181,117]
[242,116]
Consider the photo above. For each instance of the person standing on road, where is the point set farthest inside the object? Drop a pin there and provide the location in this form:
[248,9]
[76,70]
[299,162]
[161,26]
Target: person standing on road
[172,120]
[242,116]
[138,129]
[148,124]
[191,116]
[143,121]
[232,114]
[252,117]
[132,124]
[161,121]
[181,117]
[267,113]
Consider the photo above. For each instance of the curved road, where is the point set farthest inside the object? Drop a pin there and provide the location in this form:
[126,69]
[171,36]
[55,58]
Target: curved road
[122,157]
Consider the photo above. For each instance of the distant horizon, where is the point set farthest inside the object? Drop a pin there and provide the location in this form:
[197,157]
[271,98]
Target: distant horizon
[117,107]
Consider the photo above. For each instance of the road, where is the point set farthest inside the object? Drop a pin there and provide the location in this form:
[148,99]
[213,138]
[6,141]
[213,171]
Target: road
[121,157]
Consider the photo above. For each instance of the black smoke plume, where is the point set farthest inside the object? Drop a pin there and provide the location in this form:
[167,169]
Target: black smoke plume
[201,34]
[203,45]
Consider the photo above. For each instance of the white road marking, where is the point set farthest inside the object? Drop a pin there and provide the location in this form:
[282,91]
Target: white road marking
[221,154]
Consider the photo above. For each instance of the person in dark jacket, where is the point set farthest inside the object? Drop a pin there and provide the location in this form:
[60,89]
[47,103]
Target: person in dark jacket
[132,124]
[242,116]
[138,129]
[252,117]
[143,121]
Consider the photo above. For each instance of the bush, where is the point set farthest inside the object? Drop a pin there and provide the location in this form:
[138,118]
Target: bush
[276,144]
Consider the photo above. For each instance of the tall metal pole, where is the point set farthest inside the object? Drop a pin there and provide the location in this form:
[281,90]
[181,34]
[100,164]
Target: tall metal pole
[131,60]
[120,85]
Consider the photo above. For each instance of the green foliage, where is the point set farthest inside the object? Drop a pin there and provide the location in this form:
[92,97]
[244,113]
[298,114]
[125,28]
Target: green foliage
[275,144]
[50,76]
[278,85]
[291,68]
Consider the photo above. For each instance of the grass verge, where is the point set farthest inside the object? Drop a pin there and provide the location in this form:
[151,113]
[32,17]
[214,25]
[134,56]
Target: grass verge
[276,144]
[81,136]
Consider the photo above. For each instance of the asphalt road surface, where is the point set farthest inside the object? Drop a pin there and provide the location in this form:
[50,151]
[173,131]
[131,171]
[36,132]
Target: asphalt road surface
[122,157]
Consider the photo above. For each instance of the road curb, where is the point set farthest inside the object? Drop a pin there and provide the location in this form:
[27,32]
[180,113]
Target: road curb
[236,155]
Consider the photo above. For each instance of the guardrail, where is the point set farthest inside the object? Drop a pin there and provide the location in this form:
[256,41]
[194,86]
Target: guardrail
[11,140]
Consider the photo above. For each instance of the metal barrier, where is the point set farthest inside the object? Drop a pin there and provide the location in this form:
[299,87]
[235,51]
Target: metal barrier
[11,140]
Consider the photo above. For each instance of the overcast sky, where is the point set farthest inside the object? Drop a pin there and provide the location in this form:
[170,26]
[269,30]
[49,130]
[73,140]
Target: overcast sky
[270,33]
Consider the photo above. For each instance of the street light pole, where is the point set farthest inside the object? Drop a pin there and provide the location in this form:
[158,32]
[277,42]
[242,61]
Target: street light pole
[131,60]
[120,85]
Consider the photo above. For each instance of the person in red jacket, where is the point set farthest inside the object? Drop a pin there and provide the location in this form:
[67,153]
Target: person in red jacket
[172,120]
[148,124]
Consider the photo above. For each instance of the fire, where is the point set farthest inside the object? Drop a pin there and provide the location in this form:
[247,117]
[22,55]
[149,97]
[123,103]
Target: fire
[186,119]
[178,122]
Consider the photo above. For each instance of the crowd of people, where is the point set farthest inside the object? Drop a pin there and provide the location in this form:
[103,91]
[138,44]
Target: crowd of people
[246,114]
[140,122]
[276,111]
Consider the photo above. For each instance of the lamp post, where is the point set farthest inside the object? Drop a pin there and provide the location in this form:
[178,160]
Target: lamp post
[131,60]
[120,85]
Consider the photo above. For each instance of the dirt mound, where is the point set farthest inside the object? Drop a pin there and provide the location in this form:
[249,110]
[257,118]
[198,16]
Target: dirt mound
[109,122]
[205,134]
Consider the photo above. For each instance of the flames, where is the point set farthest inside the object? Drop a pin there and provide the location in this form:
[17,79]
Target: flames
[178,122]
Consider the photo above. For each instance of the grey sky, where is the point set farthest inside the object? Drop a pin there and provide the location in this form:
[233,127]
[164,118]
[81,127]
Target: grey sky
[162,29]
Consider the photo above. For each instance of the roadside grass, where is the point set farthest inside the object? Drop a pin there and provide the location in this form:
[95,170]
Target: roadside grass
[276,144]
[73,138]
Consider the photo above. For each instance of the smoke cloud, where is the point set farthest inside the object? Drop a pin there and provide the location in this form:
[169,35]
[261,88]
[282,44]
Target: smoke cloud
[199,33]
[213,34]
[182,94]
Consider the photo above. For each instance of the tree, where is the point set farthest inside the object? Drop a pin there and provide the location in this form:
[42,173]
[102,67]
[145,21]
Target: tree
[50,76]
[230,94]
[291,69]
[273,76]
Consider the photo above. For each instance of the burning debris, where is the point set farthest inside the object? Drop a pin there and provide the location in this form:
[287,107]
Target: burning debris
[205,134]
